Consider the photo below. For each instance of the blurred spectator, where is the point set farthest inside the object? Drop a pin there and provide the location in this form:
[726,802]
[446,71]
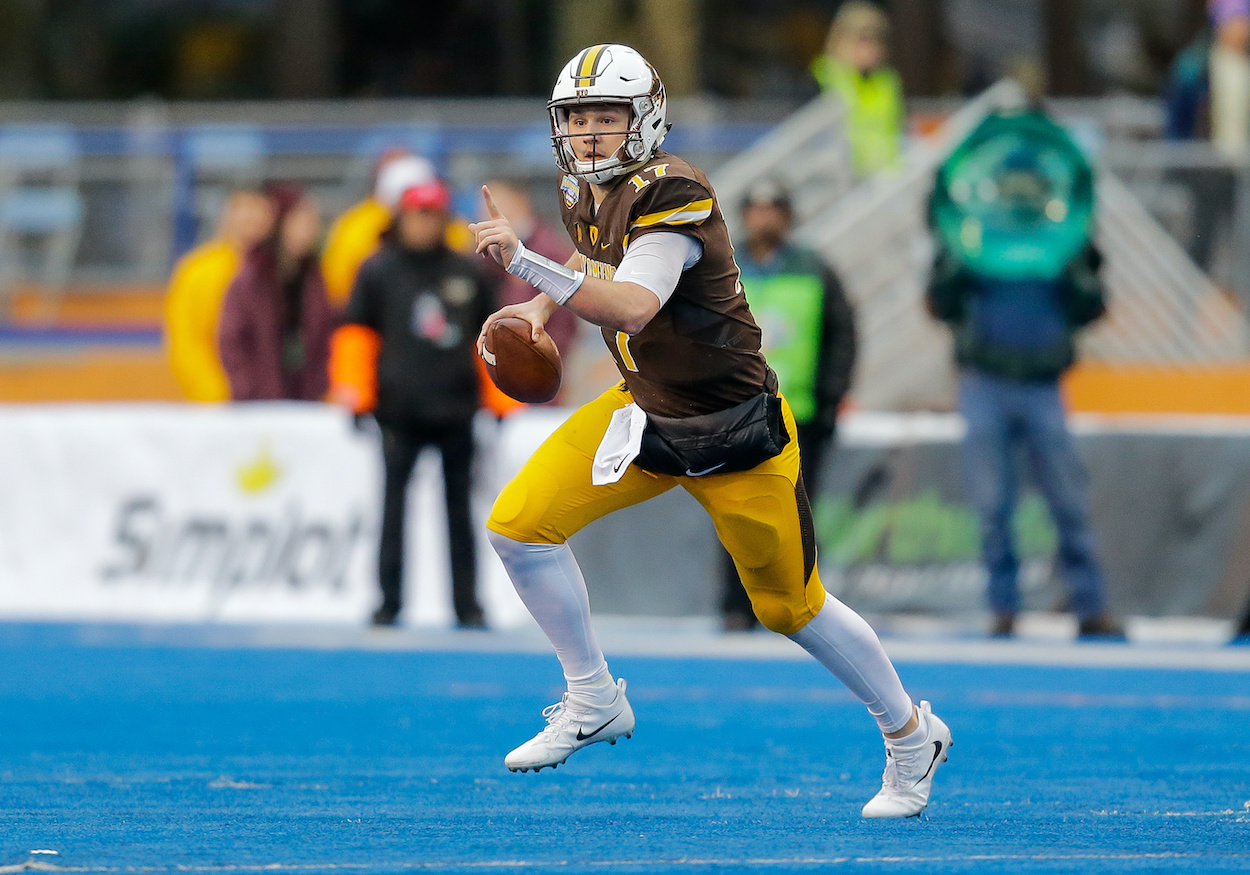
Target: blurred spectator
[1014,327]
[406,352]
[513,200]
[196,290]
[1230,77]
[808,338]
[1188,116]
[354,235]
[1186,92]
[855,68]
[275,321]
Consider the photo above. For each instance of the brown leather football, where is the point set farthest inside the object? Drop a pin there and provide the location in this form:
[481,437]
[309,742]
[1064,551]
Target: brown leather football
[521,368]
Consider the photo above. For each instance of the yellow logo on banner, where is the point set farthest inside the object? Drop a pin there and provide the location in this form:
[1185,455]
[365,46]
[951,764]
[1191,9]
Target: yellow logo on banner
[259,474]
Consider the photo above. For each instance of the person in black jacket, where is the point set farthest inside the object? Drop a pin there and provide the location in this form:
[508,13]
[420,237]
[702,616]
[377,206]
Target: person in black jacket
[425,303]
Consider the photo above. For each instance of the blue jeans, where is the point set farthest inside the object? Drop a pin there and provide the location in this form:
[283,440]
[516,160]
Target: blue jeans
[1002,415]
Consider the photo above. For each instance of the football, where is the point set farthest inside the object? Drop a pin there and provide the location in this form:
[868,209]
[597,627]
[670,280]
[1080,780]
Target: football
[521,368]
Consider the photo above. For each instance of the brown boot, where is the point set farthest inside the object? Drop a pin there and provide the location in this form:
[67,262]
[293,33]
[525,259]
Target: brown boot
[1004,626]
[1103,627]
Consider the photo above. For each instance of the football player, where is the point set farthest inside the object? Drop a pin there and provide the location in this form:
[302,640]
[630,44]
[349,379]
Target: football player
[698,407]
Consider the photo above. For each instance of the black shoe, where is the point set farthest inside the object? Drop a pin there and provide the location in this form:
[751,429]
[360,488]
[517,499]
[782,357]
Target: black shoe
[471,620]
[1004,626]
[385,615]
[1100,628]
[739,621]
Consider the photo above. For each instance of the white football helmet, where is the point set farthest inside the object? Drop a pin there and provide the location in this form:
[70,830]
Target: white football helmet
[609,73]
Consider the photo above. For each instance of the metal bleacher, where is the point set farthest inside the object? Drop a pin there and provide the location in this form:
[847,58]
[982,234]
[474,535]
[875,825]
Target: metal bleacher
[149,175]
[41,210]
[146,178]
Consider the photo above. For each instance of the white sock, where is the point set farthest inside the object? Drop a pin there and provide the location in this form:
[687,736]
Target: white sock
[845,644]
[916,736]
[550,583]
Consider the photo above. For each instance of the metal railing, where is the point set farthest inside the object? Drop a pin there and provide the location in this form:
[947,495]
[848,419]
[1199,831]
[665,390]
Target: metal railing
[151,175]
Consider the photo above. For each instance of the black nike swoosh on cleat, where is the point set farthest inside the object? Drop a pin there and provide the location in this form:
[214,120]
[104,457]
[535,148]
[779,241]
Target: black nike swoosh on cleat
[937,752]
[581,737]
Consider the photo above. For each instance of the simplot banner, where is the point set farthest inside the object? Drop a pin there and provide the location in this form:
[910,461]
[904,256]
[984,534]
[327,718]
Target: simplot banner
[250,512]
[269,513]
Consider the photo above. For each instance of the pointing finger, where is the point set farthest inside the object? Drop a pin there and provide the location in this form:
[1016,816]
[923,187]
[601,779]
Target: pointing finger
[490,204]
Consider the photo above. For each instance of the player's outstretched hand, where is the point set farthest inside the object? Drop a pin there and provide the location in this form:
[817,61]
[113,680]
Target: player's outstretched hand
[495,236]
[536,312]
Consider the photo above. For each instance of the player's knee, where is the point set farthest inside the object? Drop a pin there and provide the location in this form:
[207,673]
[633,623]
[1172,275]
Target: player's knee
[520,510]
[779,616]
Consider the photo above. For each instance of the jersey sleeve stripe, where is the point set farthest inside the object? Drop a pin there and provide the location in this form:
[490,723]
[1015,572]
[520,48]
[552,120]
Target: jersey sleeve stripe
[692,213]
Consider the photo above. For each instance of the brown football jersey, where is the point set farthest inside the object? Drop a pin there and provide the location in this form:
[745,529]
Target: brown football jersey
[701,352]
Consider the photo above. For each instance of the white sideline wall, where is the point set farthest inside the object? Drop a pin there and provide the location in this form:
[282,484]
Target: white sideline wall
[269,513]
[249,512]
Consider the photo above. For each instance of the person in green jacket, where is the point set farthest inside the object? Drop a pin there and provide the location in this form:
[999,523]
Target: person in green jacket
[808,338]
[855,69]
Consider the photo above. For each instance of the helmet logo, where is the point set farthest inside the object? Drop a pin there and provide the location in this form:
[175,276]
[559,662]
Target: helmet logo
[588,65]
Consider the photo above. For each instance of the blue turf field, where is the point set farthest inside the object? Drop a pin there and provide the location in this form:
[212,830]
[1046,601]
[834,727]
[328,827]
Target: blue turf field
[128,753]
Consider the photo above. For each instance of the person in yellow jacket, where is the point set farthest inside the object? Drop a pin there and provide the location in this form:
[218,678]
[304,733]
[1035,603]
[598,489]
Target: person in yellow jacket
[198,286]
[855,68]
[355,234]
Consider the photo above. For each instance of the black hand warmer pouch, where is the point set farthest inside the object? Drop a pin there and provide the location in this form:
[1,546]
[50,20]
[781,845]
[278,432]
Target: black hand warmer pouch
[735,439]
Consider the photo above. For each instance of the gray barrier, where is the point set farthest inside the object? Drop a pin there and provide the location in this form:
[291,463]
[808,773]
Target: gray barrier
[1171,515]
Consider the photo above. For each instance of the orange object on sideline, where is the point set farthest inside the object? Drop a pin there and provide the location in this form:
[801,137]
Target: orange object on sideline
[354,365]
[1217,389]
[492,397]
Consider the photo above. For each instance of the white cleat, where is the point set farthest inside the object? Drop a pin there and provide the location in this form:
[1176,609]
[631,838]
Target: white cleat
[572,725]
[909,770]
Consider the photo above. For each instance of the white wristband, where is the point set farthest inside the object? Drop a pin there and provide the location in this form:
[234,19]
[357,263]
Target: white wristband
[553,279]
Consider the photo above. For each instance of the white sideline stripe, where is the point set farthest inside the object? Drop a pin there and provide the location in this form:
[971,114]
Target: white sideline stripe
[693,638]
[761,646]
[1228,812]
[1162,702]
[683,862]
[837,694]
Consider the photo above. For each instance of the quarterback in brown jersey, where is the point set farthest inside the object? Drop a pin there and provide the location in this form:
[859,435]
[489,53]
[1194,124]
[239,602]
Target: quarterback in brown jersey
[698,407]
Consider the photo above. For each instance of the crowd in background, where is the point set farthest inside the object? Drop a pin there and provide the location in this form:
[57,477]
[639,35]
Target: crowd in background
[381,318]
[224,50]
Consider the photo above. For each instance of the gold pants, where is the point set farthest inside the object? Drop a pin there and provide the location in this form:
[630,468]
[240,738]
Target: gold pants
[762,515]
